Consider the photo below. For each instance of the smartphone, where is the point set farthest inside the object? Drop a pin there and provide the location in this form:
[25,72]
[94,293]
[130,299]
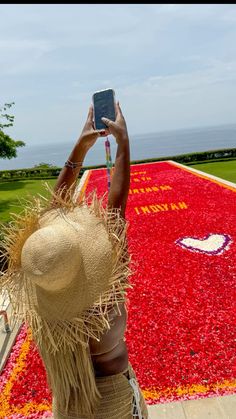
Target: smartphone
[104,105]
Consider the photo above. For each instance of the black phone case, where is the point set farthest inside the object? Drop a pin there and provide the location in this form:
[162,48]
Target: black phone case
[104,106]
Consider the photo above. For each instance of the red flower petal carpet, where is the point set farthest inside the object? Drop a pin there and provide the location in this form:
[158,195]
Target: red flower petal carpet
[181,325]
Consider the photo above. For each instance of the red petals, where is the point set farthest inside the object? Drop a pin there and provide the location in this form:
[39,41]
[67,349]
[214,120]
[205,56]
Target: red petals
[181,327]
[181,322]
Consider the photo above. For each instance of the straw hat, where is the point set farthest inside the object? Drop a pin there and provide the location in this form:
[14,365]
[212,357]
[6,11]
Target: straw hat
[68,267]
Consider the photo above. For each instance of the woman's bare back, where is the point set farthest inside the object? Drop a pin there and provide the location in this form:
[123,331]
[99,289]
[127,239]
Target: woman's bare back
[110,355]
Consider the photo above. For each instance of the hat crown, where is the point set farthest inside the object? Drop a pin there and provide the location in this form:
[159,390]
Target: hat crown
[51,256]
[70,254]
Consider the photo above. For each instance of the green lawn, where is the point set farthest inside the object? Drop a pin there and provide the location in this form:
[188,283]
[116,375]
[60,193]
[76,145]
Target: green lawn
[225,170]
[10,192]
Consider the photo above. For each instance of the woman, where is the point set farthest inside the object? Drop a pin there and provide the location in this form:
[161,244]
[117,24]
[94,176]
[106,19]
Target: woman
[73,263]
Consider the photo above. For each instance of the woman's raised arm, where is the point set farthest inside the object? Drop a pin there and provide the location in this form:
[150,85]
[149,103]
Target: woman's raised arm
[70,171]
[119,189]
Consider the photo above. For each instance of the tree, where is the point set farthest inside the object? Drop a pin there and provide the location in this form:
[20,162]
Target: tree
[44,165]
[8,146]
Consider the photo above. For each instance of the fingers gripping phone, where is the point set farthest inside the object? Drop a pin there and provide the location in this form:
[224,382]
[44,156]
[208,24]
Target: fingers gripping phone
[104,105]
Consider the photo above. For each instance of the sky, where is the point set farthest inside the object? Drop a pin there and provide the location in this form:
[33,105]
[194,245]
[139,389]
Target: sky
[171,66]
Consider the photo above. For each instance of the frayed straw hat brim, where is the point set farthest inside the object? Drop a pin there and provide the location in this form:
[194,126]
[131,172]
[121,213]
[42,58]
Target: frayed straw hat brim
[62,320]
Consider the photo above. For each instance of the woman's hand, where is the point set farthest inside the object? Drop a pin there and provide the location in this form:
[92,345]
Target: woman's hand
[89,135]
[118,127]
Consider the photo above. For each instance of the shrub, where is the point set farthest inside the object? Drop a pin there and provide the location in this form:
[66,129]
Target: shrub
[46,171]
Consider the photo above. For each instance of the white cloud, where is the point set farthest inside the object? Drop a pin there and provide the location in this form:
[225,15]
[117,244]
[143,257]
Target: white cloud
[20,56]
[182,100]
[22,45]
[169,64]
[165,85]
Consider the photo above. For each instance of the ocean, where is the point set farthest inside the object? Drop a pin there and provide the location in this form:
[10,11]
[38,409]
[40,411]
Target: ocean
[154,145]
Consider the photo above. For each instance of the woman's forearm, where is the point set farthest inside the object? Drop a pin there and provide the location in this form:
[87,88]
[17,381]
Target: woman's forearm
[119,190]
[68,176]
[87,139]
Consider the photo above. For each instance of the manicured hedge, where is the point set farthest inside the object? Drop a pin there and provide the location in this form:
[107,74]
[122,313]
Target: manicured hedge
[200,157]
[29,173]
[52,172]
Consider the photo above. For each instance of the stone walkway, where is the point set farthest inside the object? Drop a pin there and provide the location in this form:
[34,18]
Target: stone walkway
[7,340]
[210,408]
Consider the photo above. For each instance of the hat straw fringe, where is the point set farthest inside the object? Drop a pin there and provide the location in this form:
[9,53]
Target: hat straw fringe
[64,344]
[71,377]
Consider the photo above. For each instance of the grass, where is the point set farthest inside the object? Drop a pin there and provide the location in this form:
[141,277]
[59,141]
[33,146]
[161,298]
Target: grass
[225,170]
[11,192]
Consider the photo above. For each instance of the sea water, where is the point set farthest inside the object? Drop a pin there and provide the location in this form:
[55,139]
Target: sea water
[154,145]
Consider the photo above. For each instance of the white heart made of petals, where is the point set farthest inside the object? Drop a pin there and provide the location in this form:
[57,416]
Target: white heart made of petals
[211,244]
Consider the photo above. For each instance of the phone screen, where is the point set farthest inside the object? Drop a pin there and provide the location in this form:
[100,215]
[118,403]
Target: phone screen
[104,105]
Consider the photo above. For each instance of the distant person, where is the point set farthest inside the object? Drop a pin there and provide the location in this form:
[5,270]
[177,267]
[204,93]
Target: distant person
[68,272]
